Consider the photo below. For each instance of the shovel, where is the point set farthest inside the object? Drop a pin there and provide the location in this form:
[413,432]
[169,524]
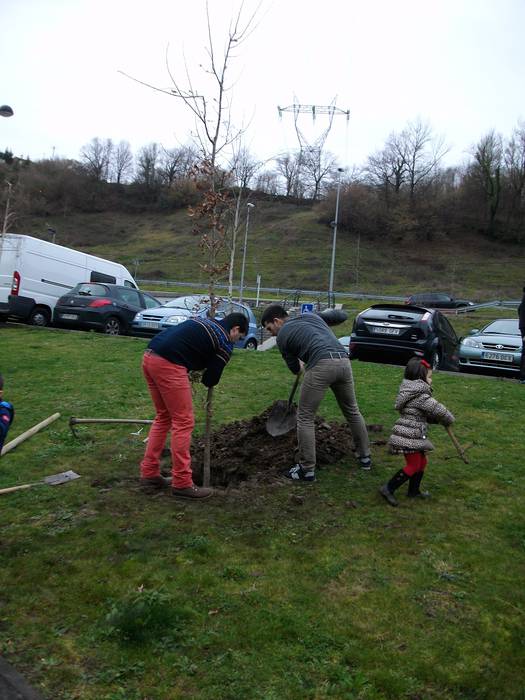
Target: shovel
[284,414]
[52,480]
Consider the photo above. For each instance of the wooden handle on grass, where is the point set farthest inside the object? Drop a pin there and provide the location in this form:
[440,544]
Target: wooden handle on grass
[28,433]
[16,488]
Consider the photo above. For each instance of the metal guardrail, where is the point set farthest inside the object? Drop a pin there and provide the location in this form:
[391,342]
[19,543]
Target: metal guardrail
[296,294]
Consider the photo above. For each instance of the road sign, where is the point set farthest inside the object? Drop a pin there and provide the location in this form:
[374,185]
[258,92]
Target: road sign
[307,308]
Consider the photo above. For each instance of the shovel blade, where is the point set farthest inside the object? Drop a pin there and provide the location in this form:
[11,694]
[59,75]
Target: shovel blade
[282,419]
[61,478]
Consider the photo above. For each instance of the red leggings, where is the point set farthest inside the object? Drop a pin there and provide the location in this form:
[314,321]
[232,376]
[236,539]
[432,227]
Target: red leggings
[414,462]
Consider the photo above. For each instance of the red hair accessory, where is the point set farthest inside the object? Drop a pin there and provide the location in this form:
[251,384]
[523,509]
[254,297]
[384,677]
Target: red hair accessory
[425,364]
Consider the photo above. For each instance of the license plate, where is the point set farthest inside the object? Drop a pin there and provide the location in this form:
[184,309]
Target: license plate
[386,331]
[500,356]
[150,324]
[69,317]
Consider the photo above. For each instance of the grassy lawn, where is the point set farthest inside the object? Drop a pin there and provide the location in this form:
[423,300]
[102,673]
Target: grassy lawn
[109,594]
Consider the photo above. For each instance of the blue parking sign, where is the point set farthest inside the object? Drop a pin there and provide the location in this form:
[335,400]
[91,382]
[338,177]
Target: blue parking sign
[307,308]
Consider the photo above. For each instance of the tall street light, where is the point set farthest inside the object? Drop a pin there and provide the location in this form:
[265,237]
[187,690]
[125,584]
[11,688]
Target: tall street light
[331,299]
[6,111]
[249,207]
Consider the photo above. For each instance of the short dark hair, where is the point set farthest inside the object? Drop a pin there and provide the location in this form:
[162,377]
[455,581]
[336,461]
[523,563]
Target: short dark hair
[235,319]
[416,368]
[271,312]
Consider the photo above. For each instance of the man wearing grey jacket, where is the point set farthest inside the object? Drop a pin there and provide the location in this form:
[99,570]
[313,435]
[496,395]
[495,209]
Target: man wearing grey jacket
[307,342]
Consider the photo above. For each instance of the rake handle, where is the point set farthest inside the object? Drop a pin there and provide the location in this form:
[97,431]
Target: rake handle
[458,447]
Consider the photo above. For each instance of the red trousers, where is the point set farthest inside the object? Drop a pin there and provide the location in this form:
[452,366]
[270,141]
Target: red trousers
[414,462]
[170,390]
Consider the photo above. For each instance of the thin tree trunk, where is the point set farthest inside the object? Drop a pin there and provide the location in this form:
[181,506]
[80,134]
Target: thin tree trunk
[207,442]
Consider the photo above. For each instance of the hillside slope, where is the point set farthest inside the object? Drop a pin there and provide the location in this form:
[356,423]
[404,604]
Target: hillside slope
[289,248]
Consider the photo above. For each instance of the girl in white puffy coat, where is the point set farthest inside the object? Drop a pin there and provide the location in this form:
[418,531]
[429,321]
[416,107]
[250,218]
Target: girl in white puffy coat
[409,434]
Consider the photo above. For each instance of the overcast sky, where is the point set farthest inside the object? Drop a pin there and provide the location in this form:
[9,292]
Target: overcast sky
[458,64]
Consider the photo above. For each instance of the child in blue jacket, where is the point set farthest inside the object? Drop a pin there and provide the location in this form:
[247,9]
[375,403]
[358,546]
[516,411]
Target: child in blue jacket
[7,413]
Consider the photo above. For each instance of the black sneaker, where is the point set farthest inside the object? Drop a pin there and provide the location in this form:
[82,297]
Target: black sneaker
[297,473]
[365,463]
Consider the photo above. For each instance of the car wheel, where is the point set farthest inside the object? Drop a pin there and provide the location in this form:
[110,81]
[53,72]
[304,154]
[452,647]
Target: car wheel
[251,344]
[3,318]
[39,317]
[435,360]
[113,326]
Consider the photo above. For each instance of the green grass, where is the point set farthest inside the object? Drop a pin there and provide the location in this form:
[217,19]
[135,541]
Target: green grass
[108,594]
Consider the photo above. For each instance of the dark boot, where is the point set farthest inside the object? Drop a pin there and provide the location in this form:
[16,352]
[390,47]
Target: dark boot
[414,484]
[387,490]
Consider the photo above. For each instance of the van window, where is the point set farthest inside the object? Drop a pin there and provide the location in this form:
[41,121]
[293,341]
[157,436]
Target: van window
[101,277]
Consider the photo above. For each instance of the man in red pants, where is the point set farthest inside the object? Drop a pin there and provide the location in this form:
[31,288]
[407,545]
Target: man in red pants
[196,344]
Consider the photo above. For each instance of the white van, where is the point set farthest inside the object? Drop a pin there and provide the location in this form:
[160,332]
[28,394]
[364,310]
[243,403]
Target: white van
[35,273]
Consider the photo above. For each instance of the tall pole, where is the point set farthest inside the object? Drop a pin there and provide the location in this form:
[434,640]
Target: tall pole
[331,300]
[249,206]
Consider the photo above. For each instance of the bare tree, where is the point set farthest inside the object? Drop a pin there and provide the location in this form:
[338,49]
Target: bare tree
[268,181]
[423,152]
[146,169]
[387,168]
[96,157]
[121,162]
[317,165]
[289,166]
[514,158]
[214,132]
[170,165]
[409,161]
[488,156]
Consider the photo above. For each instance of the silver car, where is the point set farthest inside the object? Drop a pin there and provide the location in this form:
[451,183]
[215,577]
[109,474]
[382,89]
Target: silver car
[152,321]
[497,346]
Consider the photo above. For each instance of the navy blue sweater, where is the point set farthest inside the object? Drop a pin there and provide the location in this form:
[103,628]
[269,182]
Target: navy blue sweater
[197,344]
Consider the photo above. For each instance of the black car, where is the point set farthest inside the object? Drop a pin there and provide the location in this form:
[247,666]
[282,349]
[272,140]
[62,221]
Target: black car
[437,300]
[395,333]
[105,307]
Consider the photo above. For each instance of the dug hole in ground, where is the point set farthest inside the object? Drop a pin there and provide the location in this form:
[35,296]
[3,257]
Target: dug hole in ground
[243,453]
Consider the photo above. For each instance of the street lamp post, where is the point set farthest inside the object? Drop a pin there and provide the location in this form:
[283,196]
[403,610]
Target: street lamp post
[331,299]
[249,207]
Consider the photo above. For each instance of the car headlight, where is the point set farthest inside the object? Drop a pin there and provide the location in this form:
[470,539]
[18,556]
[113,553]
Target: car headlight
[138,317]
[174,320]
[472,343]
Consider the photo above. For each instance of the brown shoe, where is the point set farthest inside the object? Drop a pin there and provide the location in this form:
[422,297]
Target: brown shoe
[197,492]
[156,482]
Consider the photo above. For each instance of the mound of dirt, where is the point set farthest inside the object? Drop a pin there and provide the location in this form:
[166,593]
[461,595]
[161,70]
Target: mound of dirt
[244,451]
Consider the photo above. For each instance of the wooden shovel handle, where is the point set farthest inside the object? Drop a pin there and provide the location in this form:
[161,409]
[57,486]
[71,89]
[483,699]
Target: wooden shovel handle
[16,488]
[458,447]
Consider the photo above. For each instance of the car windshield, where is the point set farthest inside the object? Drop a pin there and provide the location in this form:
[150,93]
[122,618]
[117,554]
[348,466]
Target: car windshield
[504,326]
[90,290]
[191,303]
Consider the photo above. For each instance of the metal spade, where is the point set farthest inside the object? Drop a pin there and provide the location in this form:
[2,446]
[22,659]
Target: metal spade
[283,416]
[52,480]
